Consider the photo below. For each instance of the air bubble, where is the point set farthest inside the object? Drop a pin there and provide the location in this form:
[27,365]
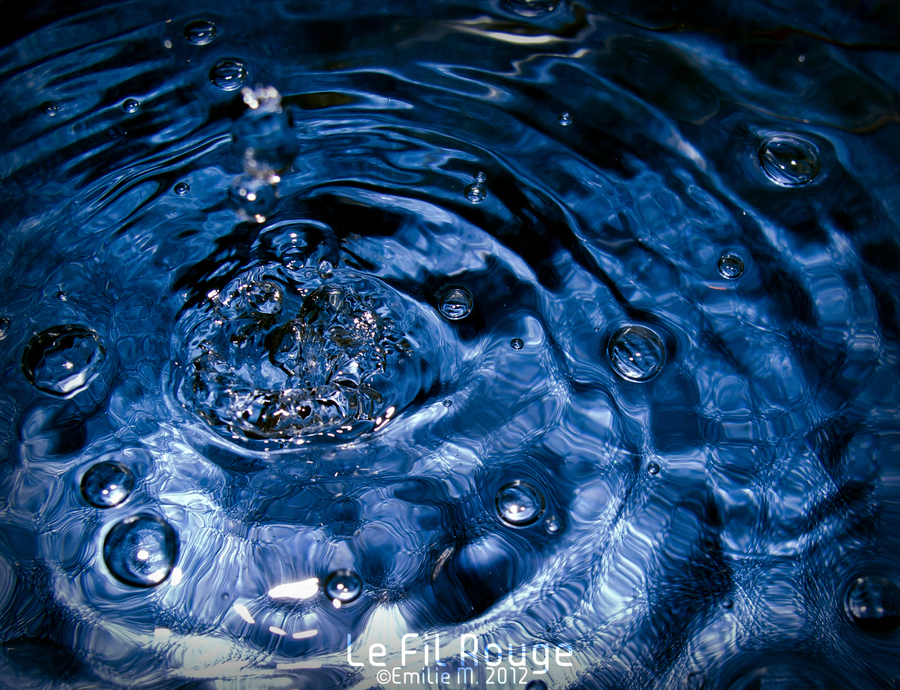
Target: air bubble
[141,550]
[182,188]
[4,327]
[253,198]
[228,75]
[63,360]
[200,32]
[131,106]
[107,484]
[325,269]
[551,524]
[50,109]
[456,304]
[636,353]
[730,266]
[653,468]
[565,119]
[519,503]
[447,402]
[343,586]
[873,604]
[789,160]
[516,343]
[264,298]
[536,685]
[62,296]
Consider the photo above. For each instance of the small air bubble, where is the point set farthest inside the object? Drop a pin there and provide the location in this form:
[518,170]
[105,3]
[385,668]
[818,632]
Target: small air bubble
[4,327]
[325,269]
[50,109]
[343,586]
[182,188]
[63,360]
[447,402]
[62,296]
[551,524]
[228,75]
[516,343]
[636,353]
[200,32]
[107,484]
[873,604]
[565,119]
[476,192]
[730,266]
[456,304]
[653,468]
[789,160]
[131,106]
[519,503]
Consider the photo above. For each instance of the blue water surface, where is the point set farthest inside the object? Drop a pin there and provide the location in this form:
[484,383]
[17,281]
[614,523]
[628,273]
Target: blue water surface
[450,344]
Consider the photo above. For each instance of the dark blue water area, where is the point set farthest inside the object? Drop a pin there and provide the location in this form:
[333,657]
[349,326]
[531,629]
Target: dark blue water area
[480,344]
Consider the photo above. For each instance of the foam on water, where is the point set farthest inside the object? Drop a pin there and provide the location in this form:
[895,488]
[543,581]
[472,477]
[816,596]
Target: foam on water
[546,342]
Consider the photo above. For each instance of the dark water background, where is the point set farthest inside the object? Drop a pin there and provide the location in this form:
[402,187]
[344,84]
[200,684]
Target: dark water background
[663,436]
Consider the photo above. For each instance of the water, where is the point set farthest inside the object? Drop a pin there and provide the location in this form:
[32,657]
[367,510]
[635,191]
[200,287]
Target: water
[539,343]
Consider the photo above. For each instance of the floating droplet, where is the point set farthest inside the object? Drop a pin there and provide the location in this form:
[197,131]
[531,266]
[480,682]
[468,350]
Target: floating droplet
[727,602]
[532,8]
[476,192]
[565,119]
[228,75]
[789,160]
[536,685]
[131,106]
[343,586]
[254,198]
[730,266]
[62,296]
[873,603]
[50,109]
[447,402]
[182,188]
[63,360]
[636,353]
[456,304]
[551,524]
[4,327]
[265,297]
[653,468]
[519,503]
[141,550]
[263,137]
[200,32]
[325,269]
[107,484]
[516,343]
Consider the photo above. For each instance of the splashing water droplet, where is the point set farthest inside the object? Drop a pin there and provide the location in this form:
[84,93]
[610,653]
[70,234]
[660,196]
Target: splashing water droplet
[50,109]
[63,360]
[532,8]
[456,304]
[789,160]
[517,343]
[252,197]
[263,137]
[636,353]
[343,586]
[325,269]
[476,192]
[62,296]
[565,119]
[200,32]
[228,75]
[730,266]
[141,550]
[653,468]
[131,105]
[519,503]
[873,604]
[4,327]
[107,484]
[182,188]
